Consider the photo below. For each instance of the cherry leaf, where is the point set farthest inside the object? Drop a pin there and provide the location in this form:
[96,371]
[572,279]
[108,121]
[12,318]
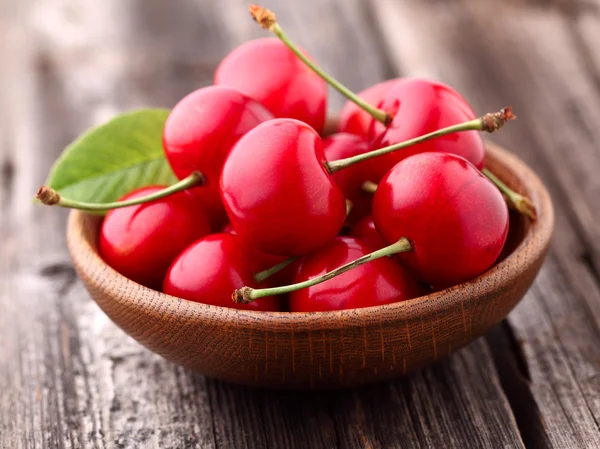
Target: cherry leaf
[114,158]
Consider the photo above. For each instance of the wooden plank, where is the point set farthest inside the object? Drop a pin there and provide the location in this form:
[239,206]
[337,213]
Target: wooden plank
[457,403]
[527,55]
[70,378]
[515,377]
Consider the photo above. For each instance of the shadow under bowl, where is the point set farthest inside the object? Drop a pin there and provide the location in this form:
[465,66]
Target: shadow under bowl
[323,349]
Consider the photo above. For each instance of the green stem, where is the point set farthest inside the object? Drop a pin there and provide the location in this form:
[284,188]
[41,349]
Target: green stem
[516,200]
[268,21]
[490,122]
[50,197]
[369,187]
[261,276]
[246,294]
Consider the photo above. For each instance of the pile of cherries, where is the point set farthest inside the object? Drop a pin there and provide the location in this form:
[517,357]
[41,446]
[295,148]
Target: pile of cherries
[283,217]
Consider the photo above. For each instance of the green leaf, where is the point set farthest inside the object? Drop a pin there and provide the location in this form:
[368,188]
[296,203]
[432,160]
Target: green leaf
[113,159]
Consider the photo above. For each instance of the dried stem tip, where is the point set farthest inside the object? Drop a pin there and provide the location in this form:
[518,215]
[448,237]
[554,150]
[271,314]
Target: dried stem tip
[263,16]
[48,196]
[492,122]
[526,207]
[242,295]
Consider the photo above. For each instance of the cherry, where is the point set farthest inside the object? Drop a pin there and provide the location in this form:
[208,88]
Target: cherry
[228,229]
[141,241]
[266,70]
[267,20]
[199,133]
[277,192]
[355,120]
[265,260]
[455,218]
[365,230]
[343,145]
[209,269]
[382,281]
[419,107]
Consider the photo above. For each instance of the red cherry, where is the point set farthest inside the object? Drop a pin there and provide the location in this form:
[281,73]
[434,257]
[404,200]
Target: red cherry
[199,133]
[228,229]
[266,261]
[420,107]
[355,120]
[268,71]
[341,146]
[455,219]
[140,242]
[382,281]
[209,270]
[365,230]
[277,193]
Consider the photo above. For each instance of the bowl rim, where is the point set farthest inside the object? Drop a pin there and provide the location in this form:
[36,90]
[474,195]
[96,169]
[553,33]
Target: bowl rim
[540,230]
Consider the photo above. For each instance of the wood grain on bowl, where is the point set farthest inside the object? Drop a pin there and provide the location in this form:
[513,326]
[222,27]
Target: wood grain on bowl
[325,349]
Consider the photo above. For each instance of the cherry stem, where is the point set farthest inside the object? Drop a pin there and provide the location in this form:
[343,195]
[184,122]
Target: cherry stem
[516,200]
[490,122]
[246,295]
[368,187]
[50,197]
[267,20]
[261,276]
[349,206]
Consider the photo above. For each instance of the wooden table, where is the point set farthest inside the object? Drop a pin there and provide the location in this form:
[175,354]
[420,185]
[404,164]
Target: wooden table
[69,378]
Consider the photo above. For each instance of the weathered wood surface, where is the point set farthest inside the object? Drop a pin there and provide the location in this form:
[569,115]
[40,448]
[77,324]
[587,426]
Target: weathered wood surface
[69,378]
[541,58]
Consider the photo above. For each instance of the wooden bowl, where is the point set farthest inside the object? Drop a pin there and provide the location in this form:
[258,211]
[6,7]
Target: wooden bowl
[323,349]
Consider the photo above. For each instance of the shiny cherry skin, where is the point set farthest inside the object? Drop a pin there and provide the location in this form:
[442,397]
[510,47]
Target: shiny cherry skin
[277,193]
[140,242]
[455,218]
[365,231]
[228,229]
[343,145]
[265,260]
[199,133]
[419,107]
[266,70]
[355,120]
[210,269]
[382,281]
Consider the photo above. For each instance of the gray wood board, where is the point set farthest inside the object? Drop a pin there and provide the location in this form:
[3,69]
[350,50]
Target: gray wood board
[70,378]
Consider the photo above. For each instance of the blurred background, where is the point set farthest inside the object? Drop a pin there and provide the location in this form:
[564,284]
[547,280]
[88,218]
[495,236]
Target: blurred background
[68,64]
